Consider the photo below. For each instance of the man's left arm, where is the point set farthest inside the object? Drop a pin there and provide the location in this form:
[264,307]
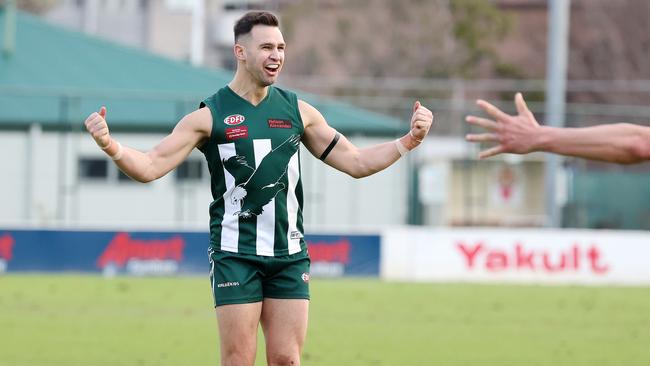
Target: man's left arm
[322,141]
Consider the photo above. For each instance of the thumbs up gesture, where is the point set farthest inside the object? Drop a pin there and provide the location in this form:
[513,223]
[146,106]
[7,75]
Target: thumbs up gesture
[98,128]
[421,121]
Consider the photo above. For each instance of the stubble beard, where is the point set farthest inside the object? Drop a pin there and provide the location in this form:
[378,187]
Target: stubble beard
[262,80]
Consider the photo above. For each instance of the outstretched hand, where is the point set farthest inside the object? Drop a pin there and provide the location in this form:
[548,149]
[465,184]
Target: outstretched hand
[98,128]
[421,121]
[513,134]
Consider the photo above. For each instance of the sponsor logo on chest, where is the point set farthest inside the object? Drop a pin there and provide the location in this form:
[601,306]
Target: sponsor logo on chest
[234,119]
[279,123]
[235,133]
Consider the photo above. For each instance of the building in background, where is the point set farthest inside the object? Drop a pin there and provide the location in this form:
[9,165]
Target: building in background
[197,31]
[501,191]
[55,175]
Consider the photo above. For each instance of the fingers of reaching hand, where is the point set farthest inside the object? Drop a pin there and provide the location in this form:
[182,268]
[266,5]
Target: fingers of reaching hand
[491,152]
[488,124]
[482,137]
[522,108]
[493,111]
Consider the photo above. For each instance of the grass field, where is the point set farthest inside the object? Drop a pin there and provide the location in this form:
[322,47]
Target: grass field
[86,320]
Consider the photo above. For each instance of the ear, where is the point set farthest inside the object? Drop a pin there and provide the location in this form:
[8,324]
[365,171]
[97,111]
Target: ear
[240,52]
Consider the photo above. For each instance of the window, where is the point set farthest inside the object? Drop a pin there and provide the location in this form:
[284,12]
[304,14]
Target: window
[100,169]
[93,168]
[190,170]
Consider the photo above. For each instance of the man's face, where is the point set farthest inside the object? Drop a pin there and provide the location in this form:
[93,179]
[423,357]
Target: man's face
[263,49]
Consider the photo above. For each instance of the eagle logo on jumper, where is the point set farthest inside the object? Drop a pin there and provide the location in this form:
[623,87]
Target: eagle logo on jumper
[254,188]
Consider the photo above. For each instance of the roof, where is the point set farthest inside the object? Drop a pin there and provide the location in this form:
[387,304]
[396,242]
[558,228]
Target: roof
[56,77]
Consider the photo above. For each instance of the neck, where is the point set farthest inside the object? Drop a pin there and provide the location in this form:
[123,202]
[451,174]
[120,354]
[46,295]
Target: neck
[246,88]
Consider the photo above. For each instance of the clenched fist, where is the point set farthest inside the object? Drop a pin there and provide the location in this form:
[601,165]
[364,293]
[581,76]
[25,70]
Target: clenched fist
[421,121]
[98,128]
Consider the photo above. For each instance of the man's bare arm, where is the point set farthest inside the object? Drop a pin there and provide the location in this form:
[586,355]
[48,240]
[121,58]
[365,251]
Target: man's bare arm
[618,143]
[360,162]
[144,167]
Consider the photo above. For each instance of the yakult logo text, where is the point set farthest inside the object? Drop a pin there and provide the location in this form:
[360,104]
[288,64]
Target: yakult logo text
[519,258]
[143,256]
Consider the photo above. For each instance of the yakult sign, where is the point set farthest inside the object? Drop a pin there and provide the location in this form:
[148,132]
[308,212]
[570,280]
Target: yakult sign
[520,258]
[516,255]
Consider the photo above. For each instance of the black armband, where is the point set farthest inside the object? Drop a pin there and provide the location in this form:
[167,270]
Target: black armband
[330,146]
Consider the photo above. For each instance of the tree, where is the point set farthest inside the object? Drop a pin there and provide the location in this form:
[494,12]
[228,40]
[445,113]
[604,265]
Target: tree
[387,38]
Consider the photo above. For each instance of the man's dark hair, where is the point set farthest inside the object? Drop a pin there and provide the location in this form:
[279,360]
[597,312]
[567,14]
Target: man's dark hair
[253,18]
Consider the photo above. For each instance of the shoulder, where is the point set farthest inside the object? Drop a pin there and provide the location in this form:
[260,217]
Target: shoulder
[306,108]
[199,121]
[309,114]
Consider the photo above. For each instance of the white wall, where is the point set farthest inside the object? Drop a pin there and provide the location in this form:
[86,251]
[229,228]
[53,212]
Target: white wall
[12,165]
[335,199]
[56,196]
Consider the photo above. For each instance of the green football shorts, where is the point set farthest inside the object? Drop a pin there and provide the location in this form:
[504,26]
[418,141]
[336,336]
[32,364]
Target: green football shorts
[244,278]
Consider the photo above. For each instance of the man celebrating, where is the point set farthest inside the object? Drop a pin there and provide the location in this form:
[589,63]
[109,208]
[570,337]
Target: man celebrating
[250,133]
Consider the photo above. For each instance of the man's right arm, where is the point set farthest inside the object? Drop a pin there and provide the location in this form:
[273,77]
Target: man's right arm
[622,143]
[190,132]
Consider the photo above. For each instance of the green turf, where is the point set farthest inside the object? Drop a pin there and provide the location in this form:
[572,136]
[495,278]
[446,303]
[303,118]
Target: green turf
[85,320]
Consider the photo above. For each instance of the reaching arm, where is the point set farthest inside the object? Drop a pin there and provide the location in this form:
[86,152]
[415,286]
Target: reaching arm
[360,162]
[618,143]
[190,132]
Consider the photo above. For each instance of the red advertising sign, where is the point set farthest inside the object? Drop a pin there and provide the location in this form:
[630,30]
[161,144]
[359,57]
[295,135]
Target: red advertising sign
[6,245]
[123,248]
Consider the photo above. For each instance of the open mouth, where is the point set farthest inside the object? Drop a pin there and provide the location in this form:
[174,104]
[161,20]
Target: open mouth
[272,68]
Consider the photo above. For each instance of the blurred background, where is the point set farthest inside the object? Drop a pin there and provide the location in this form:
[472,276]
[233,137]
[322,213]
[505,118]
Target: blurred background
[151,61]
[439,216]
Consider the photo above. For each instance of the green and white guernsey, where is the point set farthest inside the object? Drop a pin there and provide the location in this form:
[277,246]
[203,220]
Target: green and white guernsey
[254,160]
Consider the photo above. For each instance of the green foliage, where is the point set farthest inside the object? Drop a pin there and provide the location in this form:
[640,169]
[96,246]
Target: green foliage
[478,25]
[509,71]
[86,320]
[343,26]
[407,38]
[311,61]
